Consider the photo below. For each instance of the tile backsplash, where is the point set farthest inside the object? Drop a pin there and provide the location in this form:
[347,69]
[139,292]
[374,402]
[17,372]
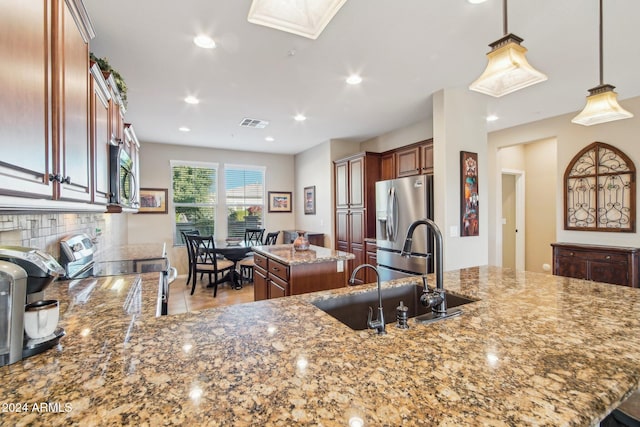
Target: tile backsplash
[44,230]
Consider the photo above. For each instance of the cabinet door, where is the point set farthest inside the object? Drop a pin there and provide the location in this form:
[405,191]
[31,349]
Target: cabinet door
[608,272]
[426,158]
[25,104]
[99,126]
[342,229]
[277,288]
[356,242]
[387,167]
[260,284]
[408,162]
[569,266]
[71,110]
[356,183]
[342,185]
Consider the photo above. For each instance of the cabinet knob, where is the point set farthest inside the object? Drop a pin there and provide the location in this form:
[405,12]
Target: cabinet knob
[66,180]
[571,253]
[54,177]
[607,257]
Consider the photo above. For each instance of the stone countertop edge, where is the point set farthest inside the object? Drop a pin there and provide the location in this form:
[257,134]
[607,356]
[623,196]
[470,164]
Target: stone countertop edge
[286,254]
[535,349]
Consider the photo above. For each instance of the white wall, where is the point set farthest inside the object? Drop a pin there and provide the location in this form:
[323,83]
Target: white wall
[155,172]
[571,138]
[459,124]
[314,167]
[415,132]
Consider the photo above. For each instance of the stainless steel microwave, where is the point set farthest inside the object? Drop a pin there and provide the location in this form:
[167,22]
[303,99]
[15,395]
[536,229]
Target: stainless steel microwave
[122,179]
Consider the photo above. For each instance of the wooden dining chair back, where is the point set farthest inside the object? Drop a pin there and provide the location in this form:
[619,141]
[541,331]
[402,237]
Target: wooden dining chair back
[205,261]
[271,238]
[253,236]
[190,260]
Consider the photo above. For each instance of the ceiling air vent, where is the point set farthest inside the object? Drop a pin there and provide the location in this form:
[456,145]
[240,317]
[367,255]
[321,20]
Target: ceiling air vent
[253,123]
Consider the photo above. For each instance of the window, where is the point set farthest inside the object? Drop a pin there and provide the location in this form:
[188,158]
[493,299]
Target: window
[600,192]
[194,197]
[244,193]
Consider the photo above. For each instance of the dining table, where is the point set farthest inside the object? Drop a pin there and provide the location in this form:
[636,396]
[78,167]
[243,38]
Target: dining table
[234,251]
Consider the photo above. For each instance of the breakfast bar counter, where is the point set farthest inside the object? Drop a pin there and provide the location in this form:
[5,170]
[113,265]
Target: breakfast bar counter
[534,349]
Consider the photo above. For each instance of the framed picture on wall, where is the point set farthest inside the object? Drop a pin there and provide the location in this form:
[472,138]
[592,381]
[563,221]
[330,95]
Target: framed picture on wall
[279,201]
[310,200]
[153,200]
[469,225]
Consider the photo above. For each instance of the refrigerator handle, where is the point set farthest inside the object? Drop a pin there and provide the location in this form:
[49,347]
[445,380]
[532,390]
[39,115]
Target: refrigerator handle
[392,215]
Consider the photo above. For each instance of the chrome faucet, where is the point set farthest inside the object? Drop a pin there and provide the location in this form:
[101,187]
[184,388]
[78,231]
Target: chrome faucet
[377,324]
[436,300]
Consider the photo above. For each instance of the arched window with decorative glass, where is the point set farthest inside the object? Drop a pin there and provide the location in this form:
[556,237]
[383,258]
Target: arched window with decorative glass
[600,190]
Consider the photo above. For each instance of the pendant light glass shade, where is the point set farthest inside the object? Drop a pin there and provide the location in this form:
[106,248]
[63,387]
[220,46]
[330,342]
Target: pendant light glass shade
[602,102]
[507,70]
[602,106]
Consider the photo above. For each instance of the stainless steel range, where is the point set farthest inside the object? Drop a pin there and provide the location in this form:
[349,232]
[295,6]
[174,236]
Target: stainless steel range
[78,257]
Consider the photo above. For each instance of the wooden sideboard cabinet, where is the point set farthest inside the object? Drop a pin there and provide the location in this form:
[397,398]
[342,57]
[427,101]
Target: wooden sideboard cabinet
[608,264]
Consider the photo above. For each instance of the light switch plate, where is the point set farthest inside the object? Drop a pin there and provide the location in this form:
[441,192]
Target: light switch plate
[340,265]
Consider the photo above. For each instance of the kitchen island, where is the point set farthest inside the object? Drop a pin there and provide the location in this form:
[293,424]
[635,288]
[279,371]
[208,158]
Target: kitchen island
[281,270]
[534,349]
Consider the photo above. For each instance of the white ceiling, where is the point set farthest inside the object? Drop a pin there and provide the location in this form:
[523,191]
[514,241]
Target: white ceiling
[405,51]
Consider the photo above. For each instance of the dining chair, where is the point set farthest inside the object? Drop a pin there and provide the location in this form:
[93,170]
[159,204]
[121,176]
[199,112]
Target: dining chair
[253,236]
[271,238]
[205,261]
[184,238]
[246,264]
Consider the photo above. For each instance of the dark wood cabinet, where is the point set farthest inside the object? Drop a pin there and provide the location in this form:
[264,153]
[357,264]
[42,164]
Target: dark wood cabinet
[355,179]
[275,279]
[414,159]
[70,115]
[608,264]
[25,105]
[371,257]
[99,128]
[387,166]
[45,108]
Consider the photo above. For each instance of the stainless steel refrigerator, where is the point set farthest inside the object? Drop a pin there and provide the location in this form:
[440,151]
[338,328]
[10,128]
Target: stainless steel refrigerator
[399,202]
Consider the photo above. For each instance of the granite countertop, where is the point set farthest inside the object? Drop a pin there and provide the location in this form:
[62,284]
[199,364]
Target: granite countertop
[127,252]
[535,349]
[315,254]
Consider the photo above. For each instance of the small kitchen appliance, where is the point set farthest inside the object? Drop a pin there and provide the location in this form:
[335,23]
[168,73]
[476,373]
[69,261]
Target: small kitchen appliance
[24,274]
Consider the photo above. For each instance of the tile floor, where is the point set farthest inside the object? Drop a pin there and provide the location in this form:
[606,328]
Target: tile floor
[181,300]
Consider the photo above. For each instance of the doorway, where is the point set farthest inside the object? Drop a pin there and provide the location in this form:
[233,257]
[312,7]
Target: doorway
[513,243]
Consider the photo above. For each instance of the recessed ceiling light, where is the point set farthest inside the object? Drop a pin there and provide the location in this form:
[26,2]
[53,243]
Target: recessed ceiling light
[184,129]
[354,79]
[492,118]
[204,42]
[269,139]
[476,1]
[300,117]
[191,100]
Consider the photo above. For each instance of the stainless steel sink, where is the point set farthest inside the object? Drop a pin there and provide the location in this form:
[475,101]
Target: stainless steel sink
[352,310]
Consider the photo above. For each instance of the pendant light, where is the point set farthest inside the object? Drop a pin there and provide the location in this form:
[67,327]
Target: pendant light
[508,69]
[602,102]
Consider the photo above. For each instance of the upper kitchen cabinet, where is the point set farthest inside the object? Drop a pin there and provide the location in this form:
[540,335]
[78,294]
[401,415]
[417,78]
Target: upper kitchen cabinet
[100,135]
[45,108]
[70,62]
[414,159]
[25,105]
